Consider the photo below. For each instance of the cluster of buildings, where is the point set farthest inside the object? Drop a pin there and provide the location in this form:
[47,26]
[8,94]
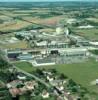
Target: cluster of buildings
[18,87]
[48,49]
[49,56]
[23,84]
[57,85]
[51,49]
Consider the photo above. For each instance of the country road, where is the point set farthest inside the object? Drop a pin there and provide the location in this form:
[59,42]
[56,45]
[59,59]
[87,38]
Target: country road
[33,76]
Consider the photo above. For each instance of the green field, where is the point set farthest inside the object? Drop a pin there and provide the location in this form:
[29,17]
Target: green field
[91,34]
[24,66]
[82,73]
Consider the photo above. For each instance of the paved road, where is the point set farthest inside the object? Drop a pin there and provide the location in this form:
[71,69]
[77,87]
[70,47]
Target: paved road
[49,49]
[33,76]
[28,74]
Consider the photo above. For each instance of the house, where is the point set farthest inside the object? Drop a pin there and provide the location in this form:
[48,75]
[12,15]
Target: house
[45,94]
[47,73]
[57,82]
[14,84]
[96,81]
[30,85]
[27,86]
[21,77]
[15,91]
[60,87]
[50,79]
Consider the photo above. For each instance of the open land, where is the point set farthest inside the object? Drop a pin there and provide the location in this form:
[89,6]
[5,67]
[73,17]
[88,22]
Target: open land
[82,73]
[61,32]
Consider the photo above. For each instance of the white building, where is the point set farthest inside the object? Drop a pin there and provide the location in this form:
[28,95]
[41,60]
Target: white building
[42,62]
[45,94]
[95,44]
[86,27]
[41,44]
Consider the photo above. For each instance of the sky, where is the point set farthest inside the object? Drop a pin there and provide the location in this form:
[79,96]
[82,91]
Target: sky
[40,0]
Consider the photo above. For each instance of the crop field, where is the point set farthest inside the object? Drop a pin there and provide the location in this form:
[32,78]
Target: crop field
[15,26]
[4,36]
[45,21]
[19,19]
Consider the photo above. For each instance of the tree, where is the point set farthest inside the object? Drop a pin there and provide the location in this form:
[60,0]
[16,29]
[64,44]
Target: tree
[71,83]
[54,71]
[39,72]
[19,37]
[74,89]
[72,42]
[62,76]
[28,95]
[3,64]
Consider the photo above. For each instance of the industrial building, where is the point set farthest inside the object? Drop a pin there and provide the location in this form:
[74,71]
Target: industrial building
[51,49]
[25,57]
[42,62]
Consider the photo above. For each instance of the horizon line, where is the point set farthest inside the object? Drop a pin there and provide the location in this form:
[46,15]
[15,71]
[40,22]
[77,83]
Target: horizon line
[54,1]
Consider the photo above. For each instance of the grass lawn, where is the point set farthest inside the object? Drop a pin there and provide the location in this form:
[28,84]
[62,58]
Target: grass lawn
[93,19]
[8,45]
[20,44]
[82,73]
[88,33]
[24,66]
